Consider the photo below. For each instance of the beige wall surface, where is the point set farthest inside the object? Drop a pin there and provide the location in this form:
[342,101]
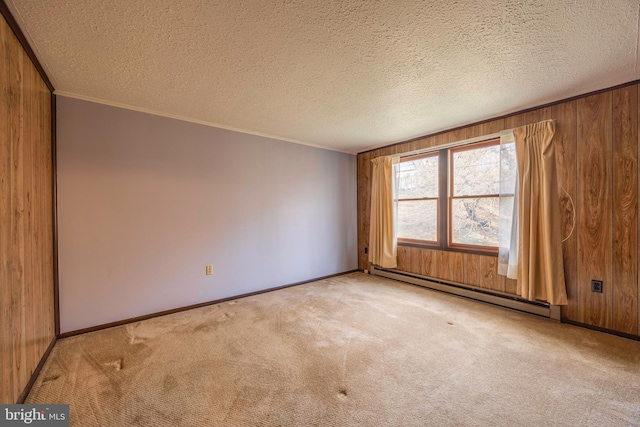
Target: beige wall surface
[145,202]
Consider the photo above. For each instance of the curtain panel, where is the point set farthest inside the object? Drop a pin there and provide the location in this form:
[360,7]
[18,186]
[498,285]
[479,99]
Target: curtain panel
[540,268]
[382,225]
[508,219]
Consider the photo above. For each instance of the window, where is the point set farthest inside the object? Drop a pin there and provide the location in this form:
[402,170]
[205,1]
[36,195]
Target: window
[449,198]
[474,195]
[418,201]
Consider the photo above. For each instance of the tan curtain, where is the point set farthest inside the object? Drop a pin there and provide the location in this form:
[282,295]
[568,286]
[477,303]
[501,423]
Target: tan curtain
[540,268]
[382,227]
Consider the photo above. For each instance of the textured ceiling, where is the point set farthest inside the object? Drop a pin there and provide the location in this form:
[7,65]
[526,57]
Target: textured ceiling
[342,74]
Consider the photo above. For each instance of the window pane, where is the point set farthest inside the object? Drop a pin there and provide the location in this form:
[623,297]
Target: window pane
[417,178]
[475,221]
[418,220]
[508,168]
[506,215]
[476,172]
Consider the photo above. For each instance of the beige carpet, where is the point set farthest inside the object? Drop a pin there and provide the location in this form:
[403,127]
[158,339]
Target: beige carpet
[353,350]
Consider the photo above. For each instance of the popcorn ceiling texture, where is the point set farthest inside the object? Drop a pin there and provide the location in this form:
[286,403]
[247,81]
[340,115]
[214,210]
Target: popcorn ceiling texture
[343,74]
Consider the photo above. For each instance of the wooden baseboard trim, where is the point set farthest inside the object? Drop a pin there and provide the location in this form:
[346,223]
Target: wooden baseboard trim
[36,372]
[190,307]
[599,329]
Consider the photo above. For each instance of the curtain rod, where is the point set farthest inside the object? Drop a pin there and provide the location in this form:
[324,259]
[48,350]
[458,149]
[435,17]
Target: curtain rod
[461,142]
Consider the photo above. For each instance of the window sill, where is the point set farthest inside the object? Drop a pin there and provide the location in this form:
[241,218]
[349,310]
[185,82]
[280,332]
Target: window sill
[490,253]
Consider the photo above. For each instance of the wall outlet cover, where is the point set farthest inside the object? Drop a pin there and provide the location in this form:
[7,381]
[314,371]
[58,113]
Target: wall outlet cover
[596,286]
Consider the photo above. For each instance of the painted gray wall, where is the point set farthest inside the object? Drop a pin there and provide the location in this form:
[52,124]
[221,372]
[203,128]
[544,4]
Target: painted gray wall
[144,202]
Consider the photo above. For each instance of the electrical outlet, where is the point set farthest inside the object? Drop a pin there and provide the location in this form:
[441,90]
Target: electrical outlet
[596,286]
[209,269]
[366,250]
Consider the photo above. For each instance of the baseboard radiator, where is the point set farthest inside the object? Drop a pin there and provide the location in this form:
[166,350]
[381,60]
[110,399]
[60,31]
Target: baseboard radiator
[478,294]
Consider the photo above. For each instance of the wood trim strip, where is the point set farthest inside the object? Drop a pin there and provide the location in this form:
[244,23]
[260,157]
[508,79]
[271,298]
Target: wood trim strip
[419,243]
[470,250]
[479,196]
[599,329]
[454,142]
[4,10]
[492,142]
[36,372]
[54,205]
[191,307]
[443,208]
[506,116]
[480,249]
[413,157]
[417,199]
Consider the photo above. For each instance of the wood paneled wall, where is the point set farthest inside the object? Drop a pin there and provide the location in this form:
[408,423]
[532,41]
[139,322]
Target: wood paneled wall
[597,156]
[27,325]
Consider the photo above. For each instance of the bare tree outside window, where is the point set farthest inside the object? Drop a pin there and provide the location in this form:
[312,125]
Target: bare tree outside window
[475,188]
[476,174]
[417,183]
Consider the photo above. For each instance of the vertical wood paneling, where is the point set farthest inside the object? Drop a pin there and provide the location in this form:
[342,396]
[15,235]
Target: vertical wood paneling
[493,126]
[486,128]
[537,115]
[440,139]
[456,263]
[16,139]
[29,162]
[432,141]
[625,205]
[471,267]
[473,131]
[596,145]
[26,220]
[368,169]
[444,265]
[416,261]
[457,268]
[456,135]
[364,192]
[514,121]
[511,286]
[429,263]
[489,278]
[7,385]
[594,208]
[565,141]
[418,144]
[43,326]
[404,258]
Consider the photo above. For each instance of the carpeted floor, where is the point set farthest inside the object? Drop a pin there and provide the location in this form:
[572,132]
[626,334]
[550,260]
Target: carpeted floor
[353,350]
